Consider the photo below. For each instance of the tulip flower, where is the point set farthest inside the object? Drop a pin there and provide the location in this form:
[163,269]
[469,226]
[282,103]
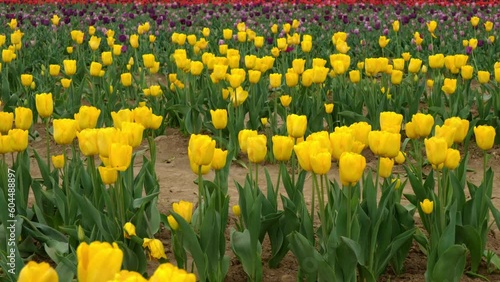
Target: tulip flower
[201,149]
[414,66]
[452,159]
[126,79]
[134,41]
[19,139]
[401,158]
[435,149]
[385,168]
[125,275]
[64,131]
[195,168]
[257,148]
[99,261]
[7,55]
[461,128]
[291,78]
[390,122]
[485,136]
[395,26]
[383,41]
[69,67]
[423,124]
[87,117]
[483,77]
[427,206]
[6,120]
[304,151]
[341,142]
[26,79]
[360,131]
[436,61]
[474,21]
[254,76]
[384,144]
[184,209]
[108,175]
[129,230]
[431,27]
[447,132]
[236,210]
[58,161]
[23,119]
[174,225]
[449,86]
[95,69]
[196,68]
[143,115]
[239,96]
[285,100]
[321,162]
[328,108]
[107,58]
[134,132]
[354,76]
[275,80]
[219,118]
[219,160]
[155,247]
[351,168]
[282,147]
[169,272]
[66,83]
[124,115]
[298,65]
[40,272]
[296,125]
[120,156]
[396,77]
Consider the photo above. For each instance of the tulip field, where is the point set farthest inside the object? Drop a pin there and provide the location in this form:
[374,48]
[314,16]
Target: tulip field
[250,140]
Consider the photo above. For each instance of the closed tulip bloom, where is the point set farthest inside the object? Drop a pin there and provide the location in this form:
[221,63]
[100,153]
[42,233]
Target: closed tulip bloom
[184,209]
[95,69]
[6,120]
[129,230]
[134,41]
[19,138]
[306,46]
[124,115]
[414,66]
[239,96]
[304,151]
[396,77]
[99,261]
[436,61]
[298,65]
[430,83]
[423,124]
[328,108]
[257,148]
[143,115]
[386,165]
[360,131]
[390,122]
[307,77]
[5,144]
[351,168]
[174,225]
[87,141]
[23,119]
[155,248]
[384,144]
[431,26]
[148,60]
[427,206]
[58,161]
[219,118]
[446,132]
[341,142]
[105,137]
[94,42]
[40,272]
[54,70]
[107,58]
[354,76]
[497,75]
[321,162]
[195,168]
[227,33]
[319,74]
[461,126]
[452,159]
[435,150]
[219,160]
[169,272]
[395,26]
[108,175]
[282,147]
[196,68]
[488,26]
[69,67]
[120,156]
[26,79]
[202,149]
[474,21]
[126,79]
[7,55]
[483,77]
[285,100]
[410,130]
[275,80]
[134,132]
[485,136]
[383,41]
[64,131]
[236,210]
[296,125]
[87,117]
[254,76]
[466,72]
[66,83]
[449,86]
[292,79]
[401,158]
[156,122]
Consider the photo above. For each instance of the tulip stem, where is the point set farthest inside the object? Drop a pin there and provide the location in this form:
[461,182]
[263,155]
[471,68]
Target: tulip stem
[313,199]
[48,140]
[378,174]
[293,165]
[200,197]
[321,199]
[348,210]
[256,180]
[485,161]
[278,184]
[442,206]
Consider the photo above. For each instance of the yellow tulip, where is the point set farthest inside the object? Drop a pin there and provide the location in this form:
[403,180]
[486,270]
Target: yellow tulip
[466,72]
[219,160]
[298,65]
[292,79]
[236,210]
[275,80]
[23,118]
[201,148]
[461,128]
[19,139]
[430,83]
[184,209]
[296,125]
[281,44]
[383,41]
[129,230]
[26,79]
[174,225]
[239,96]
[125,275]
[40,272]
[452,159]
[360,131]
[108,175]
[351,168]
[254,76]
[319,74]
[473,43]
[423,124]
[99,261]
[446,132]
[87,117]
[117,49]
[282,147]
[87,141]
[390,122]
[395,26]
[485,136]
[435,150]
[427,206]
[126,79]
[155,247]
[6,120]
[354,76]
[257,148]
[328,108]
[227,33]
[474,21]
[107,58]
[285,100]
[196,67]
[307,77]
[195,168]
[341,142]
[436,61]
[5,144]
[69,67]
[321,162]
[449,86]
[385,169]
[66,83]
[134,132]
[304,151]
[94,42]
[58,161]
[396,77]
[431,26]
[406,56]
[306,46]
[156,122]
[64,131]
[460,60]
[483,77]
[54,70]
[124,115]
[120,156]
[384,144]
[134,41]
[410,130]
[219,118]
[7,55]
[414,66]
[169,272]
[401,158]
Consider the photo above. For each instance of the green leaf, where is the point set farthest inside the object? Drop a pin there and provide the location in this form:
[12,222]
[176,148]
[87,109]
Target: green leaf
[144,200]
[451,264]
[469,236]
[248,254]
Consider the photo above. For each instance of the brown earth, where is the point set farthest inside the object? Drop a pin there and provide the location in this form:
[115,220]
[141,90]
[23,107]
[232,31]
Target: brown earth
[177,183]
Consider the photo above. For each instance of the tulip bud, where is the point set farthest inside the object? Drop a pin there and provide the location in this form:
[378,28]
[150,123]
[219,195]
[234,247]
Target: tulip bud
[427,206]
[485,136]
[351,168]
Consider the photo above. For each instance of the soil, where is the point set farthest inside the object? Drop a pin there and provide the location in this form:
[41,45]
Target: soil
[177,183]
